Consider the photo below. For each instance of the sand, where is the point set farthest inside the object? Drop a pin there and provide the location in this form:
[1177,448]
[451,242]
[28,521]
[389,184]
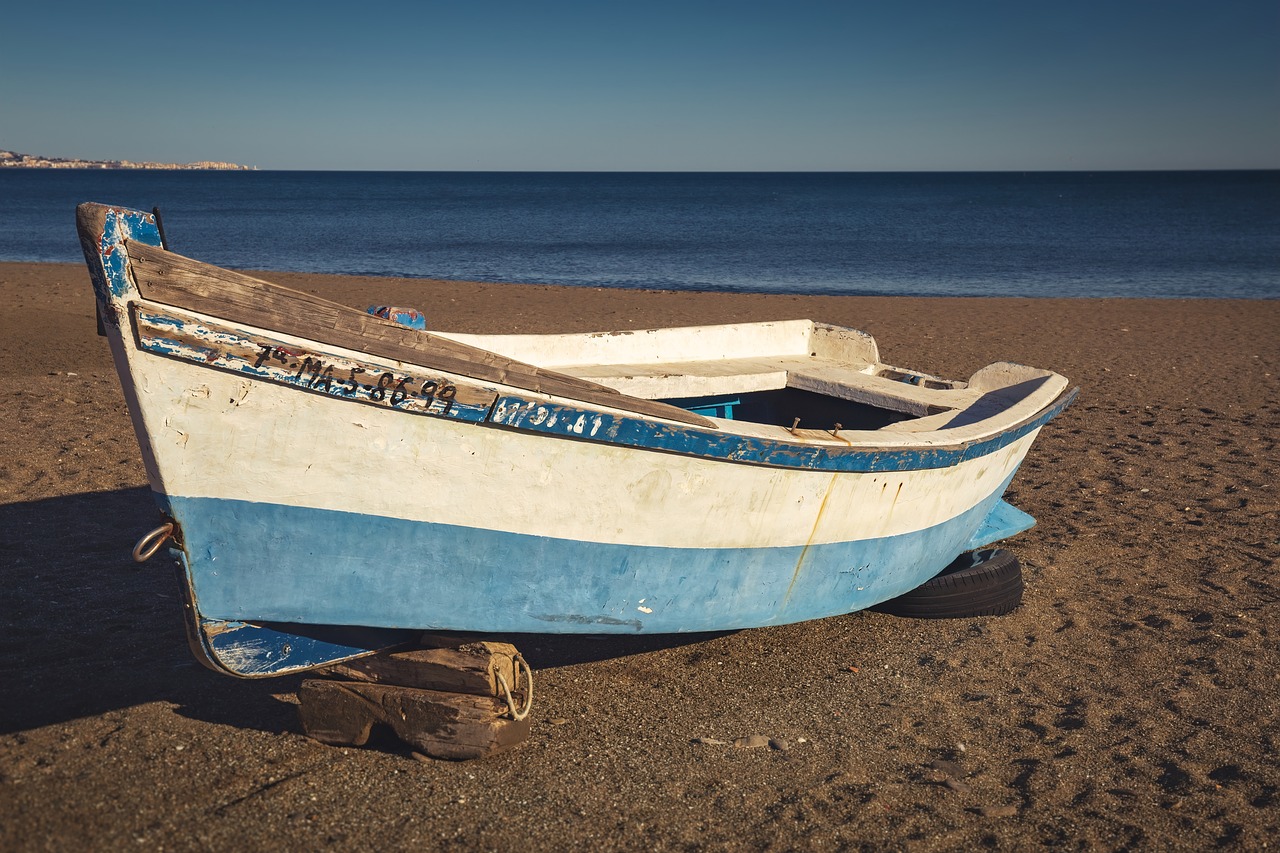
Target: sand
[1131,702]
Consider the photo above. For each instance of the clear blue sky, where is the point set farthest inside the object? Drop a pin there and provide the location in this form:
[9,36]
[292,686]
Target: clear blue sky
[686,85]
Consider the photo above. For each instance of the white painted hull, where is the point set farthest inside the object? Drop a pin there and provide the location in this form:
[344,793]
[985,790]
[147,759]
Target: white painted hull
[305,504]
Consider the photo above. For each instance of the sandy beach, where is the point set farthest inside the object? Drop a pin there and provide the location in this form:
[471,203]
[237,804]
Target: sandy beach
[1129,703]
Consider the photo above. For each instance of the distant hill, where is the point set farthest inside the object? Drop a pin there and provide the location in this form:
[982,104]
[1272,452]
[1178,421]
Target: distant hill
[14,160]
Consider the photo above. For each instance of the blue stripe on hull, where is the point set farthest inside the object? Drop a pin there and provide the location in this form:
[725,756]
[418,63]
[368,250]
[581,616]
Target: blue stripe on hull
[591,425]
[268,562]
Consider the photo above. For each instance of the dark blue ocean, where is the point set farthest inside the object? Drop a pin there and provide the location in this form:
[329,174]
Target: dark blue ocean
[1143,234]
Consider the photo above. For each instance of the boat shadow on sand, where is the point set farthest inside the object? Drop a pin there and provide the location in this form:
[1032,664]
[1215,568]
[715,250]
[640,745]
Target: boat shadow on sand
[85,630]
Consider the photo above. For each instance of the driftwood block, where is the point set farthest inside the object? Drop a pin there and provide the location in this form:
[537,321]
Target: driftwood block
[440,724]
[471,667]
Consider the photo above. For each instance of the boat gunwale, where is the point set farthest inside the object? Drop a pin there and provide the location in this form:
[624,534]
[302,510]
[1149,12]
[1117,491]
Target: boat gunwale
[356,330]
[656,426]
[770,453]
[518,409]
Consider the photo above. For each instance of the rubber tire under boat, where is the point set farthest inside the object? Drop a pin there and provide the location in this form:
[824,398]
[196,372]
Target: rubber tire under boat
[979,583]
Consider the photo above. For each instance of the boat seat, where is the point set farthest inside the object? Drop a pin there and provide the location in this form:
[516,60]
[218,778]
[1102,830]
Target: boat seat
[993,390]
[857,383]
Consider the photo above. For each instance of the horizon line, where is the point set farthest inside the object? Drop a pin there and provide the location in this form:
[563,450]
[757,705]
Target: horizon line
[661,171]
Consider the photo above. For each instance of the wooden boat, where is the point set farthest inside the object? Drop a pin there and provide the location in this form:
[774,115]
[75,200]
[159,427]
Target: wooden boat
[331,479]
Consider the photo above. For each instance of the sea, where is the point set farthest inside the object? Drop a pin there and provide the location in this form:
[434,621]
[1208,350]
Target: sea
[1211,234]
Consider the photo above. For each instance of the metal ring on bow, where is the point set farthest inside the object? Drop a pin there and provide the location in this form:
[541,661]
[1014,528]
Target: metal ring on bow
[148,545]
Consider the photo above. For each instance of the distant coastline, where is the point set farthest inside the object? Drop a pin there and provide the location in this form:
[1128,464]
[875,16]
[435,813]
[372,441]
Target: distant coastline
[14,160]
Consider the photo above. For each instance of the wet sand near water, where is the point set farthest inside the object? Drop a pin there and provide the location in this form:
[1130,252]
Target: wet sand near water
[1130,702]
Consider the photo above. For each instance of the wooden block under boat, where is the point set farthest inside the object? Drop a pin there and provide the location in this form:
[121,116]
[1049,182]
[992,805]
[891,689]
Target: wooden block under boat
[454,726]
[471,668]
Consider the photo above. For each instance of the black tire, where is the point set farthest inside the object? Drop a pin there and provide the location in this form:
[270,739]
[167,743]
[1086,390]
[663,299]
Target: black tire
[979,583]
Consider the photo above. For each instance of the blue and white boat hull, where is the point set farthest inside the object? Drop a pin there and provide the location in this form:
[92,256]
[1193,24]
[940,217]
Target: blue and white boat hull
[306,508]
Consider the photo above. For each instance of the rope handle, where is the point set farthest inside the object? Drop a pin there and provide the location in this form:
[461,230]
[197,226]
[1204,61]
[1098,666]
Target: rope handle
[519,663]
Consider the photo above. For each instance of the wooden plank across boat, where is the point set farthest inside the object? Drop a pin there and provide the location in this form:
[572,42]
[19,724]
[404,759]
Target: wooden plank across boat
[336,482]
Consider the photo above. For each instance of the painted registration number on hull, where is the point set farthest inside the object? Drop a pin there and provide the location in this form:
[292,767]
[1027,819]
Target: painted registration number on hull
[179,335]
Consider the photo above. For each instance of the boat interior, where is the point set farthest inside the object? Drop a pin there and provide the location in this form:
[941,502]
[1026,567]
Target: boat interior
[809,378]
